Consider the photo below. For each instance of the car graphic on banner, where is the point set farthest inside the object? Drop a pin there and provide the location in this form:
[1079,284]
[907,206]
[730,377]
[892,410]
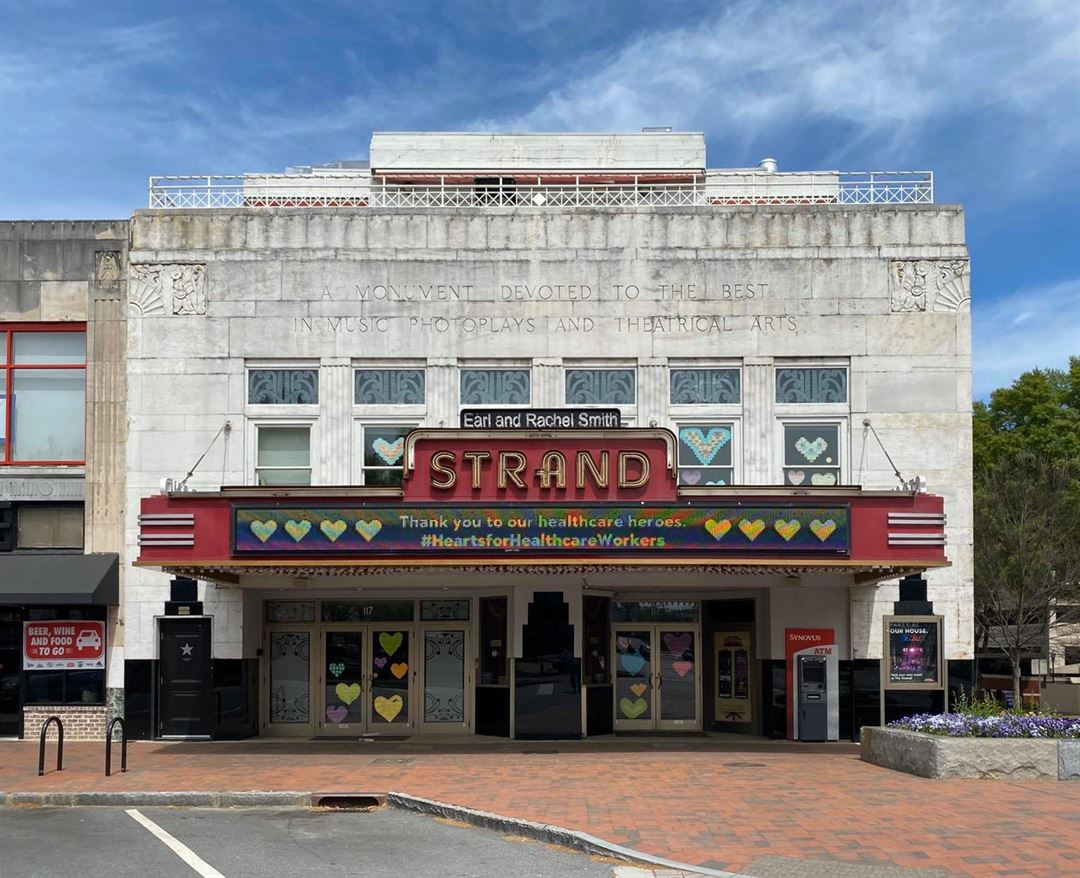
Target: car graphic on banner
[63,644]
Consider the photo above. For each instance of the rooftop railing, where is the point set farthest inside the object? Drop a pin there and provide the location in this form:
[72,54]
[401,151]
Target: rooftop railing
[349,190]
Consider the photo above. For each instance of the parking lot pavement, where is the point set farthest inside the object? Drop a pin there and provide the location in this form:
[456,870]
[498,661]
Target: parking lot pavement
[256,843]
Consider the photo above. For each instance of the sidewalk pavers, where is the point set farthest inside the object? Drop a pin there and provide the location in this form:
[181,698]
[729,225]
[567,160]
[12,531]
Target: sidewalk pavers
[711,803]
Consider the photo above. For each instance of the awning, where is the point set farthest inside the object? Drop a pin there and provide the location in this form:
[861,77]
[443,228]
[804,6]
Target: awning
[60,579]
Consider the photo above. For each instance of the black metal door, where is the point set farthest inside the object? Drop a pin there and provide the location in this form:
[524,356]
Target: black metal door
[184,685]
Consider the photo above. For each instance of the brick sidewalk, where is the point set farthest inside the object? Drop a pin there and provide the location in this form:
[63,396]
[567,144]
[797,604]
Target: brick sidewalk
[716,804]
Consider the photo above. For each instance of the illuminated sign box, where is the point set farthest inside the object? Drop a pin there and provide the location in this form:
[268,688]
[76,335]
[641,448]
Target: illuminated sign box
[484,531]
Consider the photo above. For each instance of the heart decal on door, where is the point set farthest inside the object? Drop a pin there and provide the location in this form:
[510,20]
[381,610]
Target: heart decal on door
[368,529]
[336,668]
[752,529]
[399,669]
[390,452]
[683,668]
[822,529]
[638,689]
[337,713]
[677,644]
[390,642]
[787,529]
[389,708]
[633,709]
[705,445]
[333,529]
[347,692]
[263,530]
[380,661]
[297,529]
[717,529]
[631,663]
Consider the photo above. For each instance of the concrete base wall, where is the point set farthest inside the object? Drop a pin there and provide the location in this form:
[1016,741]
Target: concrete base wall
[938,756]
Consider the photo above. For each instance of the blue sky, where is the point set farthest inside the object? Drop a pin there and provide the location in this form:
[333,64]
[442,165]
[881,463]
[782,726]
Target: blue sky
[97,95]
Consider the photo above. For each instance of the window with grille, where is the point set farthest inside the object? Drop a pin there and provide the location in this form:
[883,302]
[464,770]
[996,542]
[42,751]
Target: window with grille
[705,386]
[283,386]
[495,387]
[601,387]
[389,387]
[812,385]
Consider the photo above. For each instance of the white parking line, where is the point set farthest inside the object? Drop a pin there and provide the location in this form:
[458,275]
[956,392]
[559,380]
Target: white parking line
[179,848]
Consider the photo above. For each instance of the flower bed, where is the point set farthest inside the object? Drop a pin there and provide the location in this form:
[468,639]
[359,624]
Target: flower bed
[1006,725]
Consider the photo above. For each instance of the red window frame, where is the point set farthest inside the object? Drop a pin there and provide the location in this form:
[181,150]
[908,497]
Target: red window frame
[7,372]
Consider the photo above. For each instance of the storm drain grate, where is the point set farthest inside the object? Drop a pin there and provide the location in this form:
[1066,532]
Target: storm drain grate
[394,760]
[745,765]
[348,801]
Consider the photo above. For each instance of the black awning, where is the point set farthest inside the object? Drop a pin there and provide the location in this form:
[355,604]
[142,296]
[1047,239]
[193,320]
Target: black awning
[60,579]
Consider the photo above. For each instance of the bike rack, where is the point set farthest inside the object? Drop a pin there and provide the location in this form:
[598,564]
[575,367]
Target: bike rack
[108,745]
[59,744]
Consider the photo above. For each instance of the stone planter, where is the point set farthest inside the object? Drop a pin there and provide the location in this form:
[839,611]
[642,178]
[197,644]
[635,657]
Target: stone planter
[940,756]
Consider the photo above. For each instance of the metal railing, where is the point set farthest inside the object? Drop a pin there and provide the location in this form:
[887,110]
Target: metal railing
[712,188]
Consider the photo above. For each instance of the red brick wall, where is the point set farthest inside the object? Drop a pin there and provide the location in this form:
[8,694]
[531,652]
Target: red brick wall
[82,722]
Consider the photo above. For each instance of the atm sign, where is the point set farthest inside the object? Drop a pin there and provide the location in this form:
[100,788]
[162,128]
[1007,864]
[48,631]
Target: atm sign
[63,644]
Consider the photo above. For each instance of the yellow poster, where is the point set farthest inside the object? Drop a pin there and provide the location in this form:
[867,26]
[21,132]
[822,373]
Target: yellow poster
[734,676]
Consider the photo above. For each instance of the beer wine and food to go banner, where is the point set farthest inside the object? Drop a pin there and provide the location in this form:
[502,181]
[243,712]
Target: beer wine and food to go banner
[541,530]
[78,645]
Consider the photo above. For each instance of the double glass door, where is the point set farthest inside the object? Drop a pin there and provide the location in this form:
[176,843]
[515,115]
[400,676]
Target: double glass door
[370,679]
[657,684]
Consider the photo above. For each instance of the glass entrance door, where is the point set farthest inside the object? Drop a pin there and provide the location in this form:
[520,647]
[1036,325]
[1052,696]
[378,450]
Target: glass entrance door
[289,672]
[447,679]
[657,686]
[367,680]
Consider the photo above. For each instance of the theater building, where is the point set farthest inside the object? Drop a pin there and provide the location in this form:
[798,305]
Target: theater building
[542,436]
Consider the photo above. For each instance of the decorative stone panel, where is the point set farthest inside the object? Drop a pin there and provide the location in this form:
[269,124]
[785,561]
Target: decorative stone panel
[171,288]
[107,269]
[929,284]
[82,722]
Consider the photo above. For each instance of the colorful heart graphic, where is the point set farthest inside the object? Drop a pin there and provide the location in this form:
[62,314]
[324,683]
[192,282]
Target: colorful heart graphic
[796,476]
[333,529]
[691,476]
[380,661]
[822,529]
[638,689]
[368,529]
[633,709]
[718,482]
[631,663]
[811,450]
[787,529]
[823,479]
[751,529]
[347,692]
[717,529]
[337,713]
[390,452]
[390,642]
[399,669]
[336,668]
[705,445]
[263,530]
[682,668]
[388,708]
[297,529]
[677,644]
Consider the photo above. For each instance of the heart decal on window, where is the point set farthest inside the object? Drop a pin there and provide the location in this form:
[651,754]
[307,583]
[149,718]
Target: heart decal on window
[390,643]
[633,709]
[811,450]
[347,693]
[389,708]
[390,452]
[399,669]
[336,668]
[823,479]
[705,445]
[263,530]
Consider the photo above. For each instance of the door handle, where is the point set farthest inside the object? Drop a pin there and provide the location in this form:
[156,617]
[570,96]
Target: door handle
[659,681]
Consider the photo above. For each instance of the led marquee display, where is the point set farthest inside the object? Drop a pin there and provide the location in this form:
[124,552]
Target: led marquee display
[470,531]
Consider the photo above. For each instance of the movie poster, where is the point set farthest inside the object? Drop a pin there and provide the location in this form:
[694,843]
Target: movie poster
[914,651]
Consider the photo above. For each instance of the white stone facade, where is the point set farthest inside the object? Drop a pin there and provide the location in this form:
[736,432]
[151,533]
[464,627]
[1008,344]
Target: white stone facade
[881,291]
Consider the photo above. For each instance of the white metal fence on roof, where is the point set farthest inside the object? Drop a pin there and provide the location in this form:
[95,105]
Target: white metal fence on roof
[712,188]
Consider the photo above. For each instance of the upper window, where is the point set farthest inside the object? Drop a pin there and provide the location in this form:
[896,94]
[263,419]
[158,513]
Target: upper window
[495,387]
[49,527]
[283,455]
[705,386]
[388,387]
[811,454]
[283,386]
[43,394]
[705,454]
[601,387]
[384,453]
[813,385]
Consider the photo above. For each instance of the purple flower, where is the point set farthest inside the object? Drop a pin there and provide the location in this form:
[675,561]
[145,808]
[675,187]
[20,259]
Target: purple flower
[1007,725]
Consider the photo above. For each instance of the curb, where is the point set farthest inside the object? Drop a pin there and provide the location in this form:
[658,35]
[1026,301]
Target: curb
[543,832]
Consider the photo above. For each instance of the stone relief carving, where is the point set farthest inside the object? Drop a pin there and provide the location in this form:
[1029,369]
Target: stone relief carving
[107,269]
[175,288]
[929,284]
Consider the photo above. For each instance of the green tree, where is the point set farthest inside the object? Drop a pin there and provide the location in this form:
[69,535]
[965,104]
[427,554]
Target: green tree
[1027,510]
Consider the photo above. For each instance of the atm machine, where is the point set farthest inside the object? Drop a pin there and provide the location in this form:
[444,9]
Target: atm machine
[813,704]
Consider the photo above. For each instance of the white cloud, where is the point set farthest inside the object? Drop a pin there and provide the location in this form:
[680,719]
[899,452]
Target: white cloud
[1038,327]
